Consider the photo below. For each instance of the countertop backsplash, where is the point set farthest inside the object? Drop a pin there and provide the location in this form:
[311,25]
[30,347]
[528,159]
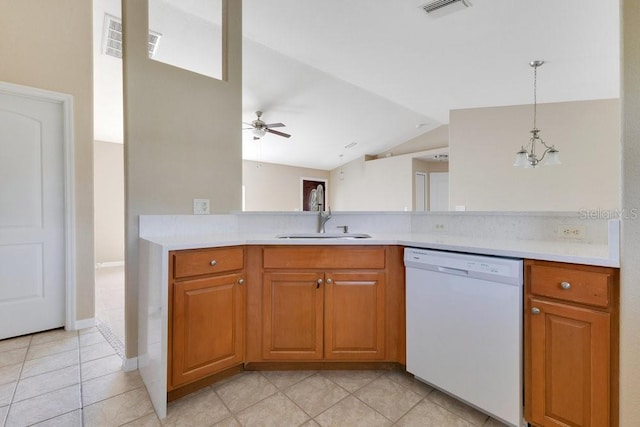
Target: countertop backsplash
[568,227]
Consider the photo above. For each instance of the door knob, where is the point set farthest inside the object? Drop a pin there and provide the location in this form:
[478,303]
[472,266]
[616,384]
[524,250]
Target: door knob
[535,310]
[329,281]
[240,281]
[213,263]
[565,285]
[319,282]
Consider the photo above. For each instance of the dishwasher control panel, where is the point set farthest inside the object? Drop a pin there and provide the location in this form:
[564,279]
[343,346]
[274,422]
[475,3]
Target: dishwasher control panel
[506,270]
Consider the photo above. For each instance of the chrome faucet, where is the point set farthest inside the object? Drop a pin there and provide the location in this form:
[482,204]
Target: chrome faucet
[322,220]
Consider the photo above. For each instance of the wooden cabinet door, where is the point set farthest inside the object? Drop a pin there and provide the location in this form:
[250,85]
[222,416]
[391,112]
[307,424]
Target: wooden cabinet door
[207,327]
[354,316]
[292,305]
[567,371]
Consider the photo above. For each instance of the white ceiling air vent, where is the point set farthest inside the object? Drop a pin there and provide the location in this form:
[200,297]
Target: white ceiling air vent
[443,7]
[112,38]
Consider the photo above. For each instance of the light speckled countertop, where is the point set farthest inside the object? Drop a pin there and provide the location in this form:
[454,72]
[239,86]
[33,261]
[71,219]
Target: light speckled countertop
[571,252]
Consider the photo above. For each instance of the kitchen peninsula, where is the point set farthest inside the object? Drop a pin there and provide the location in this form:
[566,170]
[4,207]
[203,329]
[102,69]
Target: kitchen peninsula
[251,238]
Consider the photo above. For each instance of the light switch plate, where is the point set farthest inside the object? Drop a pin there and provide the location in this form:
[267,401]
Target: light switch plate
[201,207]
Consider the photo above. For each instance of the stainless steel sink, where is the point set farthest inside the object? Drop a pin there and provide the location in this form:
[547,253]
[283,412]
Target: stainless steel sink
[323,236]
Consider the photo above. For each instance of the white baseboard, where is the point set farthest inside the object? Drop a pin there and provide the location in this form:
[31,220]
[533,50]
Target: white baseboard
[81,324]
[109,264]
[129,365]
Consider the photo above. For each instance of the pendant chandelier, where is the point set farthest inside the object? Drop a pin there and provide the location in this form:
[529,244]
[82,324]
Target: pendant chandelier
[527,157]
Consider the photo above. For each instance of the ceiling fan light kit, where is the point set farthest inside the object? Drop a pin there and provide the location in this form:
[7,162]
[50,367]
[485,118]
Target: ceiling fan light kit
[259,132]
[259,128]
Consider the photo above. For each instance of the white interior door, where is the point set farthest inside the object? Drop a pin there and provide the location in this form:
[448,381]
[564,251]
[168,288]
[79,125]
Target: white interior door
[439,191]
[32,214]
[421,192]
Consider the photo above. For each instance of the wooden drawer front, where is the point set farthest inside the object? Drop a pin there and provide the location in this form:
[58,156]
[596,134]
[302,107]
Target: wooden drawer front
[335,257]
[587,287]
[195,263]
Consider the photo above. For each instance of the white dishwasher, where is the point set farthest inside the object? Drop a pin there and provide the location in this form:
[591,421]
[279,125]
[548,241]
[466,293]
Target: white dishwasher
[464,328]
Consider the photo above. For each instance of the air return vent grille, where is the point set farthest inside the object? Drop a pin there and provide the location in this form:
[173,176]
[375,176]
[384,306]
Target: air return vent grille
[112,44]
[437,5]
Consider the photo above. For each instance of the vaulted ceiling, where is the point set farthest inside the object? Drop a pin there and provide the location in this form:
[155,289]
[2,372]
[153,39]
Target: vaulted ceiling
[378,72]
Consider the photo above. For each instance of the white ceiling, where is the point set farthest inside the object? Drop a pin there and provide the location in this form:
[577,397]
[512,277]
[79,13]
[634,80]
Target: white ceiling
[368,71]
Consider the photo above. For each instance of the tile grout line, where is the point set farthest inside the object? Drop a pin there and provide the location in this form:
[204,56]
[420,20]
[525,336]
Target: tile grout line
[233,415]
[457,415]
[15,388]
[321,412]
[81,394]
[378,412]
[44,373]
[290,399]
[111,338]
[250,406]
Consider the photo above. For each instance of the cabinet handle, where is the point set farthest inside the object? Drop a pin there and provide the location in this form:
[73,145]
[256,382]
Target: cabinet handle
[319,282]
[565,285]
[535,310]
[213,263]
[329,281]
[240,281]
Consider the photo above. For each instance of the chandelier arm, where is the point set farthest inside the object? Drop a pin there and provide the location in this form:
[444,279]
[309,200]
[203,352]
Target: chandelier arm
[544,154]
[549,147]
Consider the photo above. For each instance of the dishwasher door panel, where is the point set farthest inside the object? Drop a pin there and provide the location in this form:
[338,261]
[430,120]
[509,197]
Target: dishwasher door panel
[464,336]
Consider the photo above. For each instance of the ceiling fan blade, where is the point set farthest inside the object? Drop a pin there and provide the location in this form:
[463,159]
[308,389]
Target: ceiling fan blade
[275,132]
[248,124]
[276,125]
[246,128]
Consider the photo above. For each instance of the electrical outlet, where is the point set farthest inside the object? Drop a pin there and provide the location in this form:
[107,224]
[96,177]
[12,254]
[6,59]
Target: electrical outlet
[201,207]
[440,227]
[575,232]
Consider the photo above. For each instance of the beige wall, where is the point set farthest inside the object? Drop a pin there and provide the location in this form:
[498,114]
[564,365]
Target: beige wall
[273,187]
[426,168]
[483,143]
[47,45]
[108,193]
[182,138]
[435,138]
[376,185]
[630,273]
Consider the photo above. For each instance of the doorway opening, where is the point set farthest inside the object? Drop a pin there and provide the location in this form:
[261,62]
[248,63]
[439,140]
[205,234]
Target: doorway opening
[108,164]
[439,191]
[314,194]
[421,192]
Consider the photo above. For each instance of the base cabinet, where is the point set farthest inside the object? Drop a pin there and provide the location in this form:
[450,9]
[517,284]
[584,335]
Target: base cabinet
[207,317]
[292,316]
[331,316]
[354,316]
[327,303]
[570,345]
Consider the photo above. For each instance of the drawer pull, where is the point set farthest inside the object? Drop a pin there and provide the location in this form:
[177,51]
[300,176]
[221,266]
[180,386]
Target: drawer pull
[213,263]
[535,310]
[240,281]
[319,282]
[329,281]
[565,285]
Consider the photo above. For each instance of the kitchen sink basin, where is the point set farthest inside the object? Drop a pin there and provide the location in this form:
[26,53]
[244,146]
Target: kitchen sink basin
[323,236]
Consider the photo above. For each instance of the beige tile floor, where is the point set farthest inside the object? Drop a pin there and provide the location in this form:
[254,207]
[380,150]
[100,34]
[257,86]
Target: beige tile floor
[110,301]
[61,378]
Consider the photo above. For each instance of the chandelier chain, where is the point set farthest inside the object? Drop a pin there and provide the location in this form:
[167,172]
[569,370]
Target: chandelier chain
[535,97]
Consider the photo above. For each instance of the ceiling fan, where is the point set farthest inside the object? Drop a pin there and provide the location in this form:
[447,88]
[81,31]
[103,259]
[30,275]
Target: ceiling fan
[259,128]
